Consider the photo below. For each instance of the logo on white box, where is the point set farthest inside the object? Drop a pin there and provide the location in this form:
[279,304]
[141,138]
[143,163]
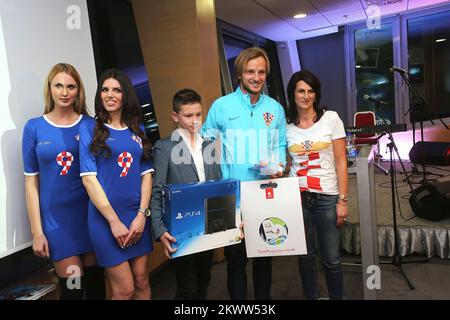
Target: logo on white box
[273,231]
[269,193]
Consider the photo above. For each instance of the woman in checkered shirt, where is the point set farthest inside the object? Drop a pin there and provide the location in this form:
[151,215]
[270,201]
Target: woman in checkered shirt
[316,145]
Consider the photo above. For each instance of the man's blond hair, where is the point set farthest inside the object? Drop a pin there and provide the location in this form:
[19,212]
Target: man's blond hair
[245,56]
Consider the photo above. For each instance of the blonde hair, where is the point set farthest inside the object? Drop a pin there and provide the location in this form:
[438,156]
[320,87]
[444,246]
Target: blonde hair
[79,105]
[245,56]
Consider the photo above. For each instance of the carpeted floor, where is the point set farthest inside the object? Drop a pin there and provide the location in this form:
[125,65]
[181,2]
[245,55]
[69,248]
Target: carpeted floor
[430,279]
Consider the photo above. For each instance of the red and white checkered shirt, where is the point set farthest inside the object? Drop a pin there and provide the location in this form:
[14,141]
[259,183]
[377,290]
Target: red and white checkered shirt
[312,153]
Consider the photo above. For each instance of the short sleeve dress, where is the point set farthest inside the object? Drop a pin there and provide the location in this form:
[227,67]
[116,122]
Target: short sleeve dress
[120,176]
[51,151]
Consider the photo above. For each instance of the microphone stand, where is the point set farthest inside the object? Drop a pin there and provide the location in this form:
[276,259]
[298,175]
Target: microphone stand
[397,260]
[421,100]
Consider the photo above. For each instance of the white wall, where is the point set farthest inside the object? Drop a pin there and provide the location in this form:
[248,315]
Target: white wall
[34,35]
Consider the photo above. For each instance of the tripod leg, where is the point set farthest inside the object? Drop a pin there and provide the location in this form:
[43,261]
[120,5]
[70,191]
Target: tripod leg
[378,158]
[410,285]
[414,171]
[386,171]
[396,259]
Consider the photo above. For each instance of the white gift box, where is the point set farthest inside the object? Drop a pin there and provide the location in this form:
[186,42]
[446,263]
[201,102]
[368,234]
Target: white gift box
[273,217]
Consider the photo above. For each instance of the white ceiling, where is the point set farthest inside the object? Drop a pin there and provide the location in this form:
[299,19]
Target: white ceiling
[273,19]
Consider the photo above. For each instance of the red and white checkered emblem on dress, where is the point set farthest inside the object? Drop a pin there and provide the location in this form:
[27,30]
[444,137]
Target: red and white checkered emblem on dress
[64,159]
[124,161]
[268,117]
[137,139]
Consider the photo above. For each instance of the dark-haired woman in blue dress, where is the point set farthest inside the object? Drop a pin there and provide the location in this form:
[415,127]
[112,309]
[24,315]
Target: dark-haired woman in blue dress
[116,171]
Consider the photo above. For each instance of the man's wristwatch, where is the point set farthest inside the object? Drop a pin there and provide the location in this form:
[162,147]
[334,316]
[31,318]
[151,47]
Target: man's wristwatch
[343,197]
[146,212]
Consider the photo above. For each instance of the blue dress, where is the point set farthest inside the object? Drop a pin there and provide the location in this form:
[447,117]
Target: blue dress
[120,177]
[51,151]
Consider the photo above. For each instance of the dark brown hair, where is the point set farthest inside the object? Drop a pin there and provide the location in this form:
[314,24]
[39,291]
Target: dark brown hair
[185,96]
[131,115]
[309,78]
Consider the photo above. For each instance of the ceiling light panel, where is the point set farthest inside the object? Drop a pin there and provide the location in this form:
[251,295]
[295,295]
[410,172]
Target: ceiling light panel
[286,9]
[255,18]
[414,4]
[340,12]
[386,7]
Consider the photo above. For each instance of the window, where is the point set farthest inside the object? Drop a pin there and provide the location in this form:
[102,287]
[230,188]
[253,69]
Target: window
[232,40]
[429,62]
[232,48]
[373,59]
[418,42]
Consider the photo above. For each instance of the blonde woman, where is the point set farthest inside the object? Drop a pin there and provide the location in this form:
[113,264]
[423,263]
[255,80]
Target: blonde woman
[56,200]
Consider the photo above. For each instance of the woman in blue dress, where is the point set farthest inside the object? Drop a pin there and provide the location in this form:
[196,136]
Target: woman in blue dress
[116,171]
[56,200]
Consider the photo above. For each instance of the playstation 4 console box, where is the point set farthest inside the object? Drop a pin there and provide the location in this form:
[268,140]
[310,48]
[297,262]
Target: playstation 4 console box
[273,217]
[202,215]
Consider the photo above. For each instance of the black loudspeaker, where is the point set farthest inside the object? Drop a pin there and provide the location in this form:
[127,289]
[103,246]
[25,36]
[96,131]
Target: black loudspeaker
[431,201]
[429,152]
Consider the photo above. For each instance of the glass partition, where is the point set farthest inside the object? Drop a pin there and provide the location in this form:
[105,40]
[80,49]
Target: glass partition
[374,82]
[429,62]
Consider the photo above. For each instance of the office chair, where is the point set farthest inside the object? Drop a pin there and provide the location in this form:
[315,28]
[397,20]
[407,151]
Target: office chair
[368,119]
